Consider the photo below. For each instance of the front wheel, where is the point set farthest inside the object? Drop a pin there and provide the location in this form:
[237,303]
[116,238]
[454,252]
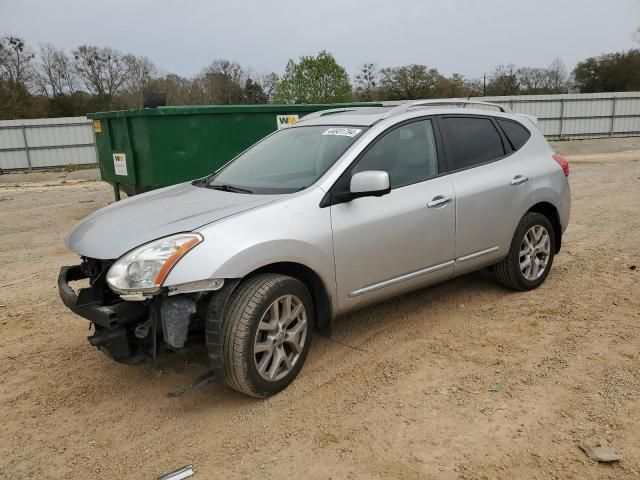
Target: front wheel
[530,255]
[267,334]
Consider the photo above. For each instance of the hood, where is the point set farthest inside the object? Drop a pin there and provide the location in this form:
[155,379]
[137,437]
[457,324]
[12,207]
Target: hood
[112,231]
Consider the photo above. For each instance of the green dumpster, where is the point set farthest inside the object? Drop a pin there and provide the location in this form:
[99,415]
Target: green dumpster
[140,150]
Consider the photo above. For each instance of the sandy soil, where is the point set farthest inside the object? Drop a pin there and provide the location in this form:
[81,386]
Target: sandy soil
[401,392]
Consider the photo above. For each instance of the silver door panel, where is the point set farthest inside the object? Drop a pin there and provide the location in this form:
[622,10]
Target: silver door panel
[378,240]
[489,205]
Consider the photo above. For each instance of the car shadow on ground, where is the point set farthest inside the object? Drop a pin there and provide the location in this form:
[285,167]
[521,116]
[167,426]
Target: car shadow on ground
[353,331]
[171,375]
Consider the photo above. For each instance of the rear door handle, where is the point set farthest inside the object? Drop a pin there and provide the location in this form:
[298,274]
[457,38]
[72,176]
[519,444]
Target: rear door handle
[438,200]
[519,179]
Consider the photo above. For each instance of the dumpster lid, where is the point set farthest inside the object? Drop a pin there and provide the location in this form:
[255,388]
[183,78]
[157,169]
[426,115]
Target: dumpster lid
[226,109]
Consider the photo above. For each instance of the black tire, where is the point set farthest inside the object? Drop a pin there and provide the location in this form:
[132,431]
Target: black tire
[508,272]
[246,308]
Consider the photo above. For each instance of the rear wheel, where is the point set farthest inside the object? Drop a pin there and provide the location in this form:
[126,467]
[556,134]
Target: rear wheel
[530,255]
[267,334]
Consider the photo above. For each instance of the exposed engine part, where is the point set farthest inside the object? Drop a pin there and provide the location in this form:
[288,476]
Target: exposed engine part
[142,330]
[135,297]
[175,314]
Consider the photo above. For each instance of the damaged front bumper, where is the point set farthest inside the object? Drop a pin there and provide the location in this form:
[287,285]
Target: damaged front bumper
[130,331]
[115,320]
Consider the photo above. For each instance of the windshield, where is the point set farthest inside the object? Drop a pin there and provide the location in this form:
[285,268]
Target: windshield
[287,161]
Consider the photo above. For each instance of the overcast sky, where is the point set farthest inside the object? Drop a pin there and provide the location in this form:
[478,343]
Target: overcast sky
[464,36]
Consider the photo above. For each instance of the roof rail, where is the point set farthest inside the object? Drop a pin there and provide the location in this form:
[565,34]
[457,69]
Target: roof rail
[404,107]
[322,113]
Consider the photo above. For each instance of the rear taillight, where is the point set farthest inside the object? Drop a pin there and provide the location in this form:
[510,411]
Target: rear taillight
[563,163]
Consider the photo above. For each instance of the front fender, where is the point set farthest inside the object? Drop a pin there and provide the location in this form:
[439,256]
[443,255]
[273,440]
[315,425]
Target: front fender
[200,265]
[275,251]
[297,231]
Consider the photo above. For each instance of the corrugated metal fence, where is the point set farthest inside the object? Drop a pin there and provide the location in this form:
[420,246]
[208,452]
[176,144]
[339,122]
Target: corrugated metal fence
[46,142]
[54,142]
[579,115]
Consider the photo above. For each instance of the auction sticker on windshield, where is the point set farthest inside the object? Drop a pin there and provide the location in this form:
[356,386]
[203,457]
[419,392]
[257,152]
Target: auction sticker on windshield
[343,132]
[120,164]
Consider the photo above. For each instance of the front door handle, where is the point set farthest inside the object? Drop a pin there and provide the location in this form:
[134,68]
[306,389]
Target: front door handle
[519,179]
[438,200]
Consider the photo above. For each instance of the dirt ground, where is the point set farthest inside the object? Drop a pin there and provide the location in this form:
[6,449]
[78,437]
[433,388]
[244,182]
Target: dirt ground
[402,391]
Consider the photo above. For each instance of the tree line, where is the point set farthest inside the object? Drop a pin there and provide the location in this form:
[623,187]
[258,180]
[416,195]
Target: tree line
[50,82]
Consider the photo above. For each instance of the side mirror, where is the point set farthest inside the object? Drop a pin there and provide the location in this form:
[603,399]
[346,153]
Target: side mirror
[374,183]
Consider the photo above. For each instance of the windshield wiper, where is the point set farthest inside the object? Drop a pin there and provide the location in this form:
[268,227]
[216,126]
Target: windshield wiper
[228,188]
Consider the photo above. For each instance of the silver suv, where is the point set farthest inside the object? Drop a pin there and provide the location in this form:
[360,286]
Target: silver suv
[345,208]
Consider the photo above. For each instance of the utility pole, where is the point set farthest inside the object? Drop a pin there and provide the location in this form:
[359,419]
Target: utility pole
[484,84]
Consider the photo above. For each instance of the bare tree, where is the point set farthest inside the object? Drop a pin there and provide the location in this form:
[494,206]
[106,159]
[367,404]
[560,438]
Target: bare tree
[16,61]
[366,82]
[56,75]
[557,77]
[16,77]
[504,81]
[179,90]
[103,71]
[140,72]
[268,83]
[533,80]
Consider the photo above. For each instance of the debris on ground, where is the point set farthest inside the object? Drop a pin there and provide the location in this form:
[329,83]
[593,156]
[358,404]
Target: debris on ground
[632,267]
[184,472]
[18,281]
[599,452]
[495,388]
[206,378]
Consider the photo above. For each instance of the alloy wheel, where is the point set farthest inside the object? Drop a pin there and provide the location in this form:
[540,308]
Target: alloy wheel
[280,338]
[535,250]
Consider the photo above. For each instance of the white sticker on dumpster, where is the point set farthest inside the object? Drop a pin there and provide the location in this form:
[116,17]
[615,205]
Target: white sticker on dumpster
[120,164]
[283,121]
[343,132]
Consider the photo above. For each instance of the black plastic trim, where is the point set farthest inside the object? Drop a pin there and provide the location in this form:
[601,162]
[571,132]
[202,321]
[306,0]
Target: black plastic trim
[513,147]
[87,303]
[114,322]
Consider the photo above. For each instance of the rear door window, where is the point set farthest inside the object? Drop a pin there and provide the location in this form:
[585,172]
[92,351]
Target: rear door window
[516,133]
[470,141]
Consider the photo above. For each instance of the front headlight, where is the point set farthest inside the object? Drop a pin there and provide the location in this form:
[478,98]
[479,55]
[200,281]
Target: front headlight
[145,268]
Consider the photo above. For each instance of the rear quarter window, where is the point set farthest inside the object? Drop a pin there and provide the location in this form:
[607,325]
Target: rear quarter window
[516,133]
[470,141]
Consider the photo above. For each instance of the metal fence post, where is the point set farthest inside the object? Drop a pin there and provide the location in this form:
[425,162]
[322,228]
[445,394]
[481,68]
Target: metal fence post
[26,146]
[613,116]
[561,116]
